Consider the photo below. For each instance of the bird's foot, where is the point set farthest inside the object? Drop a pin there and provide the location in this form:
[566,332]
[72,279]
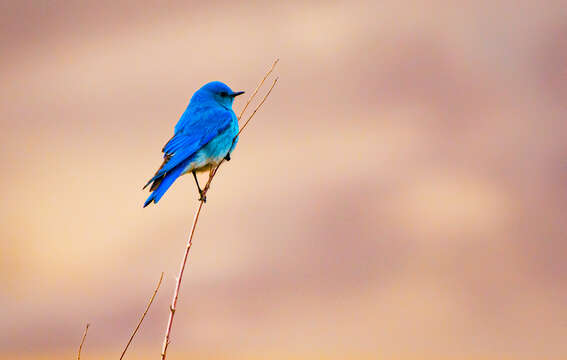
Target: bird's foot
[202,196]
[227,157]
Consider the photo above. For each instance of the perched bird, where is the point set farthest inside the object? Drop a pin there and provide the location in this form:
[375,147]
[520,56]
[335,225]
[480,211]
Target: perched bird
[204,135]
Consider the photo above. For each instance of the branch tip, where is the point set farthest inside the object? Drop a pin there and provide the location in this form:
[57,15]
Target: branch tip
[83,341]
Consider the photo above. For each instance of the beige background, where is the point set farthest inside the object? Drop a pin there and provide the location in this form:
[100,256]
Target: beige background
[402,194]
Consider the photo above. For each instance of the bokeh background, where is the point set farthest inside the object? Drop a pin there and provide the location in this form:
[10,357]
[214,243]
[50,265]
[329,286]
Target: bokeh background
[401,195]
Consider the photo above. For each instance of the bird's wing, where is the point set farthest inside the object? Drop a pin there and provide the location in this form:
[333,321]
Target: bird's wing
[206,125]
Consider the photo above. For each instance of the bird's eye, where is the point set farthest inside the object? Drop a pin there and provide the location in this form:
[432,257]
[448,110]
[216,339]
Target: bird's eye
[224,94]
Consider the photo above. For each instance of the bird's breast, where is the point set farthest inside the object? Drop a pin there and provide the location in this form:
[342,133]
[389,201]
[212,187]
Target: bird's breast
[214,151]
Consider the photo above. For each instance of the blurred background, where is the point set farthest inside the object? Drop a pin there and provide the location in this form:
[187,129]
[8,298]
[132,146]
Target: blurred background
[401,195]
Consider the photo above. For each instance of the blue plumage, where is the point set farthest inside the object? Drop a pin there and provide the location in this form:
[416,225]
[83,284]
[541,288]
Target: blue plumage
[203,136]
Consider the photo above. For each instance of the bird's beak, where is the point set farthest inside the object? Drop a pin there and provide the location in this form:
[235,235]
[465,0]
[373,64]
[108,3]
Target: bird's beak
[235,94]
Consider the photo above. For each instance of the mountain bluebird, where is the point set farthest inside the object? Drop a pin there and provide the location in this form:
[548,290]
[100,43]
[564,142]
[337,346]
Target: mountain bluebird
[204,135]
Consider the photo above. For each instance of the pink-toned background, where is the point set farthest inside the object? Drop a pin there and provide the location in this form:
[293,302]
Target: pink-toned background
[402,194]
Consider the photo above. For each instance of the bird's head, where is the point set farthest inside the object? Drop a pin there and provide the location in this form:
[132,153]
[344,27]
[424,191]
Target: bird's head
[218,92]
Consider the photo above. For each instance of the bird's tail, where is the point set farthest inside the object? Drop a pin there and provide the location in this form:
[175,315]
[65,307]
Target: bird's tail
[161,185]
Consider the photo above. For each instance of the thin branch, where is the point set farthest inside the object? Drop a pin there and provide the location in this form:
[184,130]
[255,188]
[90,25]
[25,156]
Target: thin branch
[257,88]
[212,173]
[143,316]
[83,341]
[257,107]
[178,283]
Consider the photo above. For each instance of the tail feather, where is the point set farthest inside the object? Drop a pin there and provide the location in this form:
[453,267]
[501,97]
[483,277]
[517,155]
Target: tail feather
[162,184]
[156,183]
[155,178]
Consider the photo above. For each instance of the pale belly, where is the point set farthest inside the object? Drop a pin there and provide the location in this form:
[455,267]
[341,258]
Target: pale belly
[213,153]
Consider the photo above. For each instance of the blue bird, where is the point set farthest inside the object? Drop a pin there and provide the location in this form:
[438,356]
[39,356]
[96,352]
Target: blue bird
[204,135]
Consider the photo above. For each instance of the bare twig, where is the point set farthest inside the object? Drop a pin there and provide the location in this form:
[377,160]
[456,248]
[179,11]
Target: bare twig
[83,341]
[257,107]
[178,283]
[257,88]
[142,318]
[212,173]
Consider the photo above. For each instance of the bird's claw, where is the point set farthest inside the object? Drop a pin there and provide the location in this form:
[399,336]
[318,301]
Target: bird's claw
[202,196]
[227,157]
